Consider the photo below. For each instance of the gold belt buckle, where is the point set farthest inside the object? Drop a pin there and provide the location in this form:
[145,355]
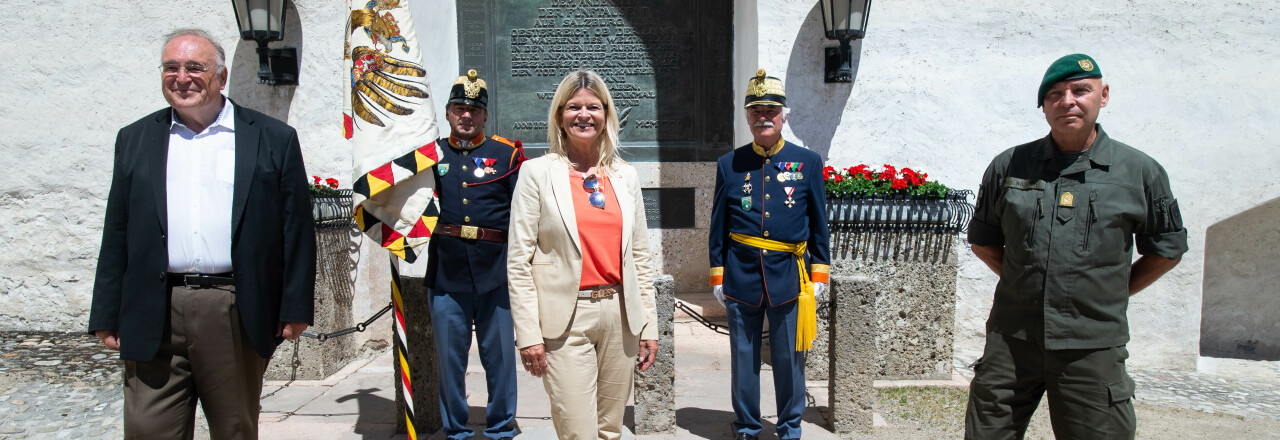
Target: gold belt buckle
[604,293]
[470,232]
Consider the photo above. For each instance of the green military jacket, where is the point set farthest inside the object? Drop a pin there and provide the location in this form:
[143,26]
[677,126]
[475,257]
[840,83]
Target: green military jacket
[1068,224]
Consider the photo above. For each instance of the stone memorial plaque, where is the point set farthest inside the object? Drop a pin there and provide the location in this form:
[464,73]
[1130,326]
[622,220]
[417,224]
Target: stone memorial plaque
[667,64]
[668,208]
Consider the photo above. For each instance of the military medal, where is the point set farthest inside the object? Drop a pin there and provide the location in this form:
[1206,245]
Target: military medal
[746,186]
[480,165]
[442,168]
[790,202]
[798,175]
[746,203]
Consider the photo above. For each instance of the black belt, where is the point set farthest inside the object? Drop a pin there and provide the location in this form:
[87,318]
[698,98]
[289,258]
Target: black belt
[200,280]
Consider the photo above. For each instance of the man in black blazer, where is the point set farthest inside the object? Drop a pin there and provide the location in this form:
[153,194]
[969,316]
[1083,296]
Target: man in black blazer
[208,251]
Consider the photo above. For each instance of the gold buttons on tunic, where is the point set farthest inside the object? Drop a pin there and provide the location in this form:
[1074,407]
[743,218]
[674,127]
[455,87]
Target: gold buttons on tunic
[464,184]
[766,197]
[764,251]
[466,219]
[464,168]
[766,213]
[766,160]
[464,201]
[766,178]
[766,233]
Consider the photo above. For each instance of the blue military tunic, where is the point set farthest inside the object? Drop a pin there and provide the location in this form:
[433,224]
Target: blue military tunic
[470,199]
[779,195]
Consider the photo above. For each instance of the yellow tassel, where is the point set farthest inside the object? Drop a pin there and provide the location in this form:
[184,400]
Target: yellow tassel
[806,315]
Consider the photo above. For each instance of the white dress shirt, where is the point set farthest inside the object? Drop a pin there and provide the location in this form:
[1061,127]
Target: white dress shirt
[200,171]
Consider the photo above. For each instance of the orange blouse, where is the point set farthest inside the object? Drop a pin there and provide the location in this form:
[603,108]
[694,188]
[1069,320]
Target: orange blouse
[599,231]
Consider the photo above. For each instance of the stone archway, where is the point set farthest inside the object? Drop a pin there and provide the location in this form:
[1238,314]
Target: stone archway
[1241,282]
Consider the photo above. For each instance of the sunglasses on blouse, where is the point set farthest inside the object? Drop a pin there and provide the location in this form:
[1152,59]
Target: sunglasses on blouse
[592,185]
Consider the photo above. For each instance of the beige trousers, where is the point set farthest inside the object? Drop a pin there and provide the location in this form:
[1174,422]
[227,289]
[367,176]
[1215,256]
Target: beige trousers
[205,356]
[589,372]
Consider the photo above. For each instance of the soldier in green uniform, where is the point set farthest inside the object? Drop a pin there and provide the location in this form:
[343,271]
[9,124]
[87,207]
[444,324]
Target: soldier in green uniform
[1057,219]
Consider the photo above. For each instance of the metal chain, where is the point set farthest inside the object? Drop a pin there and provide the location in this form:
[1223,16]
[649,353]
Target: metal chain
[320,336]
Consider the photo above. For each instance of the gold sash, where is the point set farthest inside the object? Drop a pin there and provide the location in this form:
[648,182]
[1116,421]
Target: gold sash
[807,306]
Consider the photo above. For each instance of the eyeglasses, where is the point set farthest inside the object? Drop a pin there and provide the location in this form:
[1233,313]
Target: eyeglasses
[592,184]
[193,68]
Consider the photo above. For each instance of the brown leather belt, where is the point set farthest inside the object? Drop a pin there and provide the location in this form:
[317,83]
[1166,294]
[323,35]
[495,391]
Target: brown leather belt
[471,232]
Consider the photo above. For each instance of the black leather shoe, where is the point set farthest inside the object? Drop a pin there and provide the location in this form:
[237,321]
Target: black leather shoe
[745,436]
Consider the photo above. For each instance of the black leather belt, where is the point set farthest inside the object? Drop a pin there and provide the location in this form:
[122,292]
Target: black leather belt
[200,280]
[471,232]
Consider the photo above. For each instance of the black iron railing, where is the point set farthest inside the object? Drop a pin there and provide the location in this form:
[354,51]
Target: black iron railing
[332,212]
[897,227]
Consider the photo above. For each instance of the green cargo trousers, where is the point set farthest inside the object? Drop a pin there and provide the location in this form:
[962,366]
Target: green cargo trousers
[1090,393]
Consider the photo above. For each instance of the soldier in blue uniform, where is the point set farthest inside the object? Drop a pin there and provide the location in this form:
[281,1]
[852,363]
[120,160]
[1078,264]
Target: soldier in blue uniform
[467,261]
[769,257]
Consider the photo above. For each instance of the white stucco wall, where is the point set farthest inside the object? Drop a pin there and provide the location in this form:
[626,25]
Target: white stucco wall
[944,85]
[941,86]
[92,69]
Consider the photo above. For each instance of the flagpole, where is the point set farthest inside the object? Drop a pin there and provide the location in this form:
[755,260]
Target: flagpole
[401,344]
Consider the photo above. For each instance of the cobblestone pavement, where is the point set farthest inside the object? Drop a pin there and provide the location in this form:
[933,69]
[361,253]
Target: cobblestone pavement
[1242,395]
[58,385]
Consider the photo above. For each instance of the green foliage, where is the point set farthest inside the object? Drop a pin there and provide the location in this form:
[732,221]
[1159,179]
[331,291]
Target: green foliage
[861,181]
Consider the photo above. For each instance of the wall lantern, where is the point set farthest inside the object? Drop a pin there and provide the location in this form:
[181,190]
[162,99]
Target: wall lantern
[843,20]
[263,21]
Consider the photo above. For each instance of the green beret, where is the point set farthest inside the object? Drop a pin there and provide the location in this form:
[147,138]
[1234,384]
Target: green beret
[1070,67]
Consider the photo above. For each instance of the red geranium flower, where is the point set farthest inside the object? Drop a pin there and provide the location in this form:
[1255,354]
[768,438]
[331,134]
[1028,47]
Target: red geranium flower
[899,184]
[333,183]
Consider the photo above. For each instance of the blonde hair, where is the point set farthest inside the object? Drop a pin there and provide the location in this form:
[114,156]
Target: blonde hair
[607,145]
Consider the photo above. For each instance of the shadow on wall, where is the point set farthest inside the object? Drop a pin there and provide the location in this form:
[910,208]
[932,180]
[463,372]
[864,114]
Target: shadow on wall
[1241,272]
[242,85]
[816,107]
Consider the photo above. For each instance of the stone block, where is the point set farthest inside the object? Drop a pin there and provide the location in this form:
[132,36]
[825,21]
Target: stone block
[850,390]
[307,358]
[915,301]
[655,403]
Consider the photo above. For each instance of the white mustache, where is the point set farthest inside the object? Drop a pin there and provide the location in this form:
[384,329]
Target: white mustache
[764,124]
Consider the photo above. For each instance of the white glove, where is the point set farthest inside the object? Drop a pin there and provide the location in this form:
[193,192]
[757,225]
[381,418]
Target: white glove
[718,291]
[820,293]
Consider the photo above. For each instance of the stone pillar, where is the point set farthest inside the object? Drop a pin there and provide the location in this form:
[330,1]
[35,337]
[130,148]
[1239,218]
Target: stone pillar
[422,360]
[852,367]
[915,300]
[655,401]
[333,297]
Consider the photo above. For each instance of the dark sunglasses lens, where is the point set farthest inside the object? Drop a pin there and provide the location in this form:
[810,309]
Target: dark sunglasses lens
[596,199]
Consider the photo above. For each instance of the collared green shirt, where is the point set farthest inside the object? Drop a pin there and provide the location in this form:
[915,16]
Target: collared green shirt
[1068,224]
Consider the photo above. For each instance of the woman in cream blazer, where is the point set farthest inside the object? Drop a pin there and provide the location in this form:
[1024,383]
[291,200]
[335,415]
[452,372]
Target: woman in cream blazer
[579,336]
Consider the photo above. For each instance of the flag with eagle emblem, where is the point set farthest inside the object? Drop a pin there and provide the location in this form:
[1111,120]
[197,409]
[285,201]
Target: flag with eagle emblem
[390,119]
